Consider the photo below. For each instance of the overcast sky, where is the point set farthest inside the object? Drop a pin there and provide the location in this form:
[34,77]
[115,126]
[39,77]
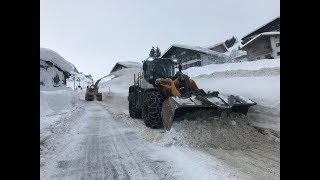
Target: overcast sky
[95,34]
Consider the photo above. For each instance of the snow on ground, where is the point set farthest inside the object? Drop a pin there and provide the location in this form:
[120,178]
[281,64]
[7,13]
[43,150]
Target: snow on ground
[119,82]
[57,100]
[262,89]
[55,104]
[249,65]
[230,139]
[256,80]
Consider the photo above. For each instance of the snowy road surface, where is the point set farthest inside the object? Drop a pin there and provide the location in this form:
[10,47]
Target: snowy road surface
[97,144]
[103,148]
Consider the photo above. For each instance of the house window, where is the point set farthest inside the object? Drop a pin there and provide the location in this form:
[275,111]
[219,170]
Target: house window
[278,53]
[183,52]
[258,58]
[278,45]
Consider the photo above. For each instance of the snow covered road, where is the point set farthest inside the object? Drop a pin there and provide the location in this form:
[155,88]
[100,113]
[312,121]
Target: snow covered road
[99,146]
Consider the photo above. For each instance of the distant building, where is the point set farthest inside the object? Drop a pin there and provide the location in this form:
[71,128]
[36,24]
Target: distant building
[125,64]
[220,47]
[89,77]
[264,42]
[190,56]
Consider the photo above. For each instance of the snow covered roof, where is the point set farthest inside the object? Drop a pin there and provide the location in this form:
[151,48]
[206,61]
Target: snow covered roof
[260,27]
[50,55]
[221,43]
[262,34]
[195,48]
[130,64]
[127,64]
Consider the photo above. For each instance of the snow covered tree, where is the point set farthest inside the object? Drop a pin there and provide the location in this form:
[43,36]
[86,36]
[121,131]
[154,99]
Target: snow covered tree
[152,52]
[230,42]
[157,52]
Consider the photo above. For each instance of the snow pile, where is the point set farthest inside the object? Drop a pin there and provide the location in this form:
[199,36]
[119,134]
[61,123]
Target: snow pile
[200,130]
[265,90]
[49,55]
[252,65]
[57,100]
[228,133]
[120,82]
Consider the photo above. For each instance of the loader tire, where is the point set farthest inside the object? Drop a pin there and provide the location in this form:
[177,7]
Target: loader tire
[133,111]
[151,113]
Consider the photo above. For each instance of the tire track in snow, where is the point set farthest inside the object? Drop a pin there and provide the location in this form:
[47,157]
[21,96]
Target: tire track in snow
[103,148]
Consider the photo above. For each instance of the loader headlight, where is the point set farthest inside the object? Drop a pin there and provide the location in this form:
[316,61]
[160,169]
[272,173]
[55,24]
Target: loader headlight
[150,59]
[175,60]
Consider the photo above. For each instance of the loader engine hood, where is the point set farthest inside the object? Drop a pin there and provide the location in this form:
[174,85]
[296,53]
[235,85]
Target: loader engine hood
[156,68]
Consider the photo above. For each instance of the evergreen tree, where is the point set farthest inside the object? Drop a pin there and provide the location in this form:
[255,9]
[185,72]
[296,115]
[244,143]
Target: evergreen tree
[157,52]
[230,42]
[152,52]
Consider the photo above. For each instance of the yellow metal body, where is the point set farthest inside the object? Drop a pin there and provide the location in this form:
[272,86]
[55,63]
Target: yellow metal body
[174,86]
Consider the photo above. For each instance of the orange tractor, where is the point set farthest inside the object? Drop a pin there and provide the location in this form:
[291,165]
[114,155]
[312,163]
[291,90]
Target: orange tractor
[92,91]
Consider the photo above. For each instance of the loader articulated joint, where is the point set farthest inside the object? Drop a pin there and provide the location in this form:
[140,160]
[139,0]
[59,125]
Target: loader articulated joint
[185,87]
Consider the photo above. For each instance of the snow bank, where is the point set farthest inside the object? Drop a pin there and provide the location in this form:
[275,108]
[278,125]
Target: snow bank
[263,89]
[261,86]
[120,82]
[56,59]
[57,100]
[252,65]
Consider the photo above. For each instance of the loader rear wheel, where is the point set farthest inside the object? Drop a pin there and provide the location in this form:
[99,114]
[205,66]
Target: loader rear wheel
[152,109]
[133,111]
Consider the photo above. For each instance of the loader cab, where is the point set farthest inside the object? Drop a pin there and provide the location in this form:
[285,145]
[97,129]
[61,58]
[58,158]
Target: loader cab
[155,68]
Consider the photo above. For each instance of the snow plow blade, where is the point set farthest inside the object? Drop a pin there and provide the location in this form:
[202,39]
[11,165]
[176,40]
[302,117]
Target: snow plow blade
[178,106]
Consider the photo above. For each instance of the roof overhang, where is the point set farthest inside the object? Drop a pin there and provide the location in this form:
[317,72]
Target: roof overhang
[260,36]
[251,33]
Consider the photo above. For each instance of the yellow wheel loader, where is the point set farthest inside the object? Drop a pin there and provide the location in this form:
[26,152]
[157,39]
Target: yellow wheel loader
[159,94]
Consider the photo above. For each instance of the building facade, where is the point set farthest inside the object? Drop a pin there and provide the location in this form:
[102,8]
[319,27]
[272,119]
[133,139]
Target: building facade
[263,46]
[264,42]
[271,26]
[190,56]
[220,47]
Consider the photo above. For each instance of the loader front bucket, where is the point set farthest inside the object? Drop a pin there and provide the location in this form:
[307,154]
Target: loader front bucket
[178,106]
